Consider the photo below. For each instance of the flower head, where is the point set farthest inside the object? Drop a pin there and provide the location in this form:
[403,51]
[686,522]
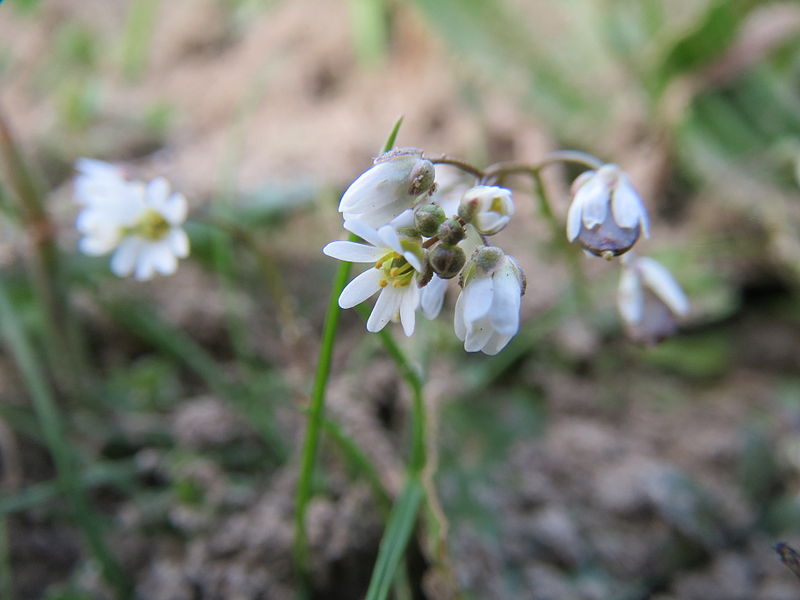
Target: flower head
[649,300]
[398,263]
[395,183]
[140,222]
[487,310]
[606,216]
[488,207]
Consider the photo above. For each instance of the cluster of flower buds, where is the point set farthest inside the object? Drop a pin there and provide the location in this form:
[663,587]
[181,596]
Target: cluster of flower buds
[417,244]
[140,222]
[418,240]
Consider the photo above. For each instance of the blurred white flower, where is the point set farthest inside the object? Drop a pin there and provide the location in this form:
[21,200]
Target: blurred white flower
[488,207]
[432,297]
[649,300]
[394,184]
[606,216]
[487,310]
[140,222]
[398,264]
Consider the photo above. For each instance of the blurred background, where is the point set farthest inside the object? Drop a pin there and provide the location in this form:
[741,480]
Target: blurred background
[575,464]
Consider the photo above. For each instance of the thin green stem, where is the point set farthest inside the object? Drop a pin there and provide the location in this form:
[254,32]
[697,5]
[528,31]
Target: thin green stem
[316,408]
[60,451]
[65,352]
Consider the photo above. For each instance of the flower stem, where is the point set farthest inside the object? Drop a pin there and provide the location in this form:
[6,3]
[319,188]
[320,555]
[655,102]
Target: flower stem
[459,164]
[50,420]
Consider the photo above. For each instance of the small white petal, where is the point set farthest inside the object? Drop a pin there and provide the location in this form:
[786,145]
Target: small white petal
[179,242]
[594,197]
[156,193]
[459,325]
[163,259]
[627,206]
[504,313]
[408,308]
[478,335]
[146,262]
[364,231]
[174,209]
[385,309]
[630,296]
[353,252]
[477,298]
[662,284]
[360,288]
[390,238]
[125,257]
[496,343]
[404,220]
[413,260]
[574,219]
[432,297]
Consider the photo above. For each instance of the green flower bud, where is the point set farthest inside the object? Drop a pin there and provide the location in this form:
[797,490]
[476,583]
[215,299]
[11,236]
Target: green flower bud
[446,260]
[427,218]
[451,232]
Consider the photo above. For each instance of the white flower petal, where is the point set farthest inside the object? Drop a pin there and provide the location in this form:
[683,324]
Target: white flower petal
[125,256]
[146,262]
[382,184]
[630,296]
[156,193]
[408,307]
[385,309]
[413,260]
[390,239]
[627,206]
[662,284]
[179,242]
[574,219]
[496,343]
[504,312]
[477,298]
[459,325]
[360,288]
[353,252]
[478,334]
[594,197]
[174,209]
[162,257]
[364,231]
[432,297]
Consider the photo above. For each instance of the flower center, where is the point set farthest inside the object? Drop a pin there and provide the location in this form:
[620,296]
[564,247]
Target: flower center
[395,270]
[152,226]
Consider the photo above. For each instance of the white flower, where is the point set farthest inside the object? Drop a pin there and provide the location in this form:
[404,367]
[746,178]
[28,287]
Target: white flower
[432,297]
[489,208]
[487,310]
[140,222]
[649,300]
[398,263]
[395,183]
[606,216]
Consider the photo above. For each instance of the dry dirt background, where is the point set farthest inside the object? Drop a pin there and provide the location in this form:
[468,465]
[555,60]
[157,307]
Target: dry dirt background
[588,469]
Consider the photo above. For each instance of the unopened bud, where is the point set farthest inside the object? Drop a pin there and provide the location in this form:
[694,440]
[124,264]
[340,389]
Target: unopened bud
[488,207]
[447,260]
[451,232]
[422,178]
[427,219]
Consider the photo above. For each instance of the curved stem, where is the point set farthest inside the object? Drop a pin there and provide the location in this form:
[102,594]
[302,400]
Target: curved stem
[459,164]
[502,169]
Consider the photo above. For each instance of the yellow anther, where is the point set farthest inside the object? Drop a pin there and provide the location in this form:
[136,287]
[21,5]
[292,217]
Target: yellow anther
[382,283]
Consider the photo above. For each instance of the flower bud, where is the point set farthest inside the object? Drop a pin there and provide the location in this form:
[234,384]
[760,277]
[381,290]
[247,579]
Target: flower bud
[451,232]
[446,260]
[394,184]
[427,219]
[606,216]
[489,208]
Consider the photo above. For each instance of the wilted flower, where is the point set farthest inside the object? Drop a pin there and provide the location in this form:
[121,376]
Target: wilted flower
[487,310]
[395,183]
[650,300]
[140,222]
[489,208]
[398,263]
[606,216]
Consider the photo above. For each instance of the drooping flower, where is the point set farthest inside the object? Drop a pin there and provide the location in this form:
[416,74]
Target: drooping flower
[398,263]
[650,301]
[395,183]
[140,222]
[488,207]
[487,310]
[606,216]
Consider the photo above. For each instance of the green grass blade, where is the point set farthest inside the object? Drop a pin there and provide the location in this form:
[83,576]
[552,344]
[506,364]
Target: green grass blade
[316,408]
[48,415]
[395,539]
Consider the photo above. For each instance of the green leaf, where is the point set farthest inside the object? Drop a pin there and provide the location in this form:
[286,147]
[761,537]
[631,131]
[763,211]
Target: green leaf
[395,539]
